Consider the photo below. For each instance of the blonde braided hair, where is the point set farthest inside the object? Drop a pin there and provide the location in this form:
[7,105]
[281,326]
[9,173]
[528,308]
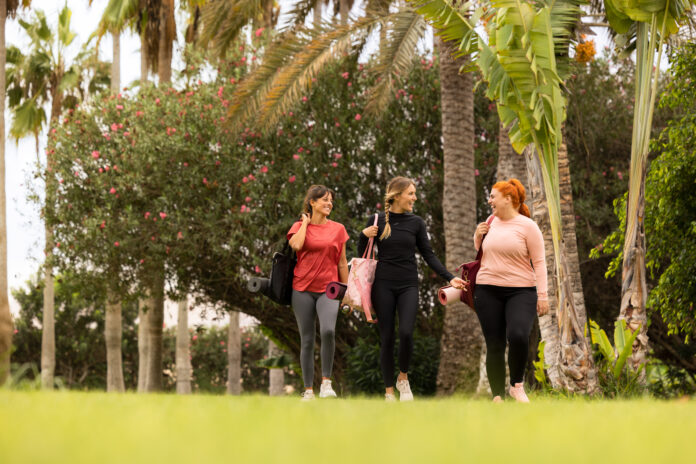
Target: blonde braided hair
[396,187]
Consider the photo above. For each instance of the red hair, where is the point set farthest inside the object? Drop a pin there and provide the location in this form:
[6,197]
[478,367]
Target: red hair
[514,189]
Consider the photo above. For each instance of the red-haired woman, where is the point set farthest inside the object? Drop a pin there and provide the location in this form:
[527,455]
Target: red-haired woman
[510,286]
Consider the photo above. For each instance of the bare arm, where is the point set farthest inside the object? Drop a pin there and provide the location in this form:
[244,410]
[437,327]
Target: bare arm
[343,266]
[297,240]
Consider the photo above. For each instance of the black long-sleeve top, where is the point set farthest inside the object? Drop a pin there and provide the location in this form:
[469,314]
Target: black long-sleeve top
[397,253]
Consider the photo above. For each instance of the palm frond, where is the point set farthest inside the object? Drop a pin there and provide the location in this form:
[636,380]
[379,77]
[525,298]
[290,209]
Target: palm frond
[405,29]
[29,118]
[289,68]
[224,19]
[299,12]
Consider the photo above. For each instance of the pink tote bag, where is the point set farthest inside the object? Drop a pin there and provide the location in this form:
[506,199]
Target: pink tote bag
[360,279]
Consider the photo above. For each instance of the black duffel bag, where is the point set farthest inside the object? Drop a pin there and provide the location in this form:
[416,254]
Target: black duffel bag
[280,286]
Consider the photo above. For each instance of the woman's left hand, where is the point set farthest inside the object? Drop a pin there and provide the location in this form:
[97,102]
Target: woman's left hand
[542,307]
[457,283]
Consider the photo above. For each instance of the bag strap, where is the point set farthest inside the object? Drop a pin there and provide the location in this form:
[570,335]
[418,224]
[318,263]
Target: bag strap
[479,255]
[370,250]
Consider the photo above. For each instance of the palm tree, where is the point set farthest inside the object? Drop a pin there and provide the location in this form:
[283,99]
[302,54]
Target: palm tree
[183,359]
[650,23]
[523,61]
[39,78]
[234,355]
[7,8]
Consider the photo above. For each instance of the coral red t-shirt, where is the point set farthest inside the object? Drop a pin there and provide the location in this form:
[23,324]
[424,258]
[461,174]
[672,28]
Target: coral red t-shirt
[317,261]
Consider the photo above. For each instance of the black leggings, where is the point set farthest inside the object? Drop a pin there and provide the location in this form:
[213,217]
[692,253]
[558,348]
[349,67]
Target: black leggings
[505,313]
[388,297]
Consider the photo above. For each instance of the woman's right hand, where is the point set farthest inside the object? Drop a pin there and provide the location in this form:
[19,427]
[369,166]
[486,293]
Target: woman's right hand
[305,219]
[481,230]
[370,231]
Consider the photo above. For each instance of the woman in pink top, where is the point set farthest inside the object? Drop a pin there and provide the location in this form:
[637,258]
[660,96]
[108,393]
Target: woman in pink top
[321,258]
[510,286]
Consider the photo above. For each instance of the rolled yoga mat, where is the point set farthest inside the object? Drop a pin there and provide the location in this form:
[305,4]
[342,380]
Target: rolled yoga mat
[448,295]
[258,284]
[336,290]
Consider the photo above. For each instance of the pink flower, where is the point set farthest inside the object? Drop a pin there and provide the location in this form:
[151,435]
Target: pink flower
[292,179]
[116,244]
[219,92]
[95,154]
[185,164]
[334,164]
[304,99]
[179,235]
[338,156]
[258,32]
[350,84]
[139,113]
[102,225]
[119,107]
[245,179]
[163,215]
[126,134]
[205,180]
[344,75]
[106,168]
[257,269]
[222,343]
[620,175]
[147,215]
[358,117]
[246,345]
[378,205]
[476,172]
[295,156]
[195,337]
[247,199]
[114,127]
[251,177]
[115,168]
[264,169]
[243,209]
[57,244]
[112,191]
[338,124]
[157,100]
[60,181]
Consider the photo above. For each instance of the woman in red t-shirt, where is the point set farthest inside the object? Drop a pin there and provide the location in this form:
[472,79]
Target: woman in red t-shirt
[321,258]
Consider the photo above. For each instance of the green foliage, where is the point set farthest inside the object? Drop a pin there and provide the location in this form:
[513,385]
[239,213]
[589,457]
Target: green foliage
[670,199]
[540,368]
[614,378]
[363,365]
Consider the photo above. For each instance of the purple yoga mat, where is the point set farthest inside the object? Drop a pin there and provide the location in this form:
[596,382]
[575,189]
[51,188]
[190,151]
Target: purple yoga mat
[336,290]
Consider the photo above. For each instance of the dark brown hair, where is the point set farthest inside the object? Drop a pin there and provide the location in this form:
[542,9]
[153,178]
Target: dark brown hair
[314,193]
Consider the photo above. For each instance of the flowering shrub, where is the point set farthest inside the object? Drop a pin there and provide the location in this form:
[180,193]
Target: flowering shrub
[159,180]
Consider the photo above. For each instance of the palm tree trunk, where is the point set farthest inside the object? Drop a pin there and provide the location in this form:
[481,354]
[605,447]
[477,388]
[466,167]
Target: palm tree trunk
[344,11]
[461,334]
[48,332]
[318,6]
[5,316]
[144,65]
[276,377]
[143,346]
[167,35]
[234,355]
[113,336]
[566,351]
[116,63]
[183,357]
[155,321]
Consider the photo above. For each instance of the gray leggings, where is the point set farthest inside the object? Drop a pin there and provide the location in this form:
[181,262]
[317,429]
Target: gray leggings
[306,306]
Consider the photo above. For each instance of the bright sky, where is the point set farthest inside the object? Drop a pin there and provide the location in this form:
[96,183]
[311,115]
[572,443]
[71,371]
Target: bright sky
[25,228]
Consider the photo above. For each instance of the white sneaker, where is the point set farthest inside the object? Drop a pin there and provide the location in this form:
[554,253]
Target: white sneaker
[308,395]
[404,390]
[326,391]
[389,397]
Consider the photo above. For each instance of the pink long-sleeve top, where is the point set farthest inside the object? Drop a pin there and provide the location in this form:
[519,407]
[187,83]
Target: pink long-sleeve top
[510,249]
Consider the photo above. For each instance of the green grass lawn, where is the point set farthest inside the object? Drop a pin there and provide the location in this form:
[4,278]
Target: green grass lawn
[68,427]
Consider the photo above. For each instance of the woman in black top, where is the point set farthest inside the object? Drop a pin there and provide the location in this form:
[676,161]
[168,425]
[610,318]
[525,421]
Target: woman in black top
[395,288]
